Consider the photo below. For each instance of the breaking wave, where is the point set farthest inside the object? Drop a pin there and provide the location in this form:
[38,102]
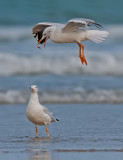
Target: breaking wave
[116,33]
[99,64]
[15,33]
[97,96]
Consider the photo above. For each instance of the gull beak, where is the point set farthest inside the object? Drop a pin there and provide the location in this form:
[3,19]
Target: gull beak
[32,89]
[45,40]
[40,40]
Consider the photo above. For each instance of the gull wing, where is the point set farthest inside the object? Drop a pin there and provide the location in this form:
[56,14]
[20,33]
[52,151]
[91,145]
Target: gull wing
[49,113]
[76,24]
[38,29]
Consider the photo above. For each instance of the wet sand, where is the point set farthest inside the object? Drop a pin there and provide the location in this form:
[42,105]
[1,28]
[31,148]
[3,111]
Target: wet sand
[85,131]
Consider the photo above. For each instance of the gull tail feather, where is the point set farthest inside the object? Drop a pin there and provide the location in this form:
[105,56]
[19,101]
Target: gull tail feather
[54,119]
[96,35]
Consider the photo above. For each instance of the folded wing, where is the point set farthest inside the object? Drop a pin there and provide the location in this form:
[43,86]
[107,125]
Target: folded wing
[50,114]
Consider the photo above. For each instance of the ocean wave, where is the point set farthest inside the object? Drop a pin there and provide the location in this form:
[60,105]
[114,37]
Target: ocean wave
[96,96]
[15,33]
[116,33]
[99,64]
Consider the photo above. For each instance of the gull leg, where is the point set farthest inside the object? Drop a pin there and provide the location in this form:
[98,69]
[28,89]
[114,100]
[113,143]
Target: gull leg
[47,130]
[36,130]
[80,52]
[82,57]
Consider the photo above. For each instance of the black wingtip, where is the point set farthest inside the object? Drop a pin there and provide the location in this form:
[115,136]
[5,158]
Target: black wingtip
[96,24]
[57,119]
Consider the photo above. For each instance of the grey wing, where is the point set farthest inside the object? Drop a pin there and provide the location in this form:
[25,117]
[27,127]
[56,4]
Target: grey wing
[49,113]
[75,24]
[38,29]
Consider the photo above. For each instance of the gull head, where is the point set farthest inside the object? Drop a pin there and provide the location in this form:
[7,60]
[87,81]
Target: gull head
[47,33]
[34,89]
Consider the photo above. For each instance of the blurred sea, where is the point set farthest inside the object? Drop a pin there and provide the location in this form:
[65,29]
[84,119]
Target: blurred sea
[57,69]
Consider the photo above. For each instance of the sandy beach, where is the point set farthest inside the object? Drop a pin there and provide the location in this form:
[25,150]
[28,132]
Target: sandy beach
[85,131]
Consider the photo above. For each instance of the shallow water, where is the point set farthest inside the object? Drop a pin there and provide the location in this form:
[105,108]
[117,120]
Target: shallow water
[84,131]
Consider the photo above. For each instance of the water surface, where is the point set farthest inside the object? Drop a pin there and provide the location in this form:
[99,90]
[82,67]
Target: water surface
[84,131]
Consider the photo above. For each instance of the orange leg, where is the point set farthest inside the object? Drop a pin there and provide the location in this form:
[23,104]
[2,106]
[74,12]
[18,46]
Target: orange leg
[36,130]
[79,51]
[47,130]
[82,57]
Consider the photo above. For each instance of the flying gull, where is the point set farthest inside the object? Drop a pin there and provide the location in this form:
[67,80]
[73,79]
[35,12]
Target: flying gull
[75,31]
[37,113]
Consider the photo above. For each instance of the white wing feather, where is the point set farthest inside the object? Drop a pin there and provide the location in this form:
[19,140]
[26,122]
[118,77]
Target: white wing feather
[76,24]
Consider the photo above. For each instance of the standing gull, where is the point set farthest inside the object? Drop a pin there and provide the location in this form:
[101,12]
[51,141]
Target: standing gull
[36,113]
[75,31]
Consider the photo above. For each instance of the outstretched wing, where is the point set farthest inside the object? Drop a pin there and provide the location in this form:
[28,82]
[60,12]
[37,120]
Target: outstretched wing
[38,29]
[75,24]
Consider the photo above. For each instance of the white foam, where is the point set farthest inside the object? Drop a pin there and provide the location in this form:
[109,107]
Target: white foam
[15,33]
[97,96]
[12,97]
[101,64]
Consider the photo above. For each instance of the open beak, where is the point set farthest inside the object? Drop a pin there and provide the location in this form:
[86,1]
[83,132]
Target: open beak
[45,38]
[45,41]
